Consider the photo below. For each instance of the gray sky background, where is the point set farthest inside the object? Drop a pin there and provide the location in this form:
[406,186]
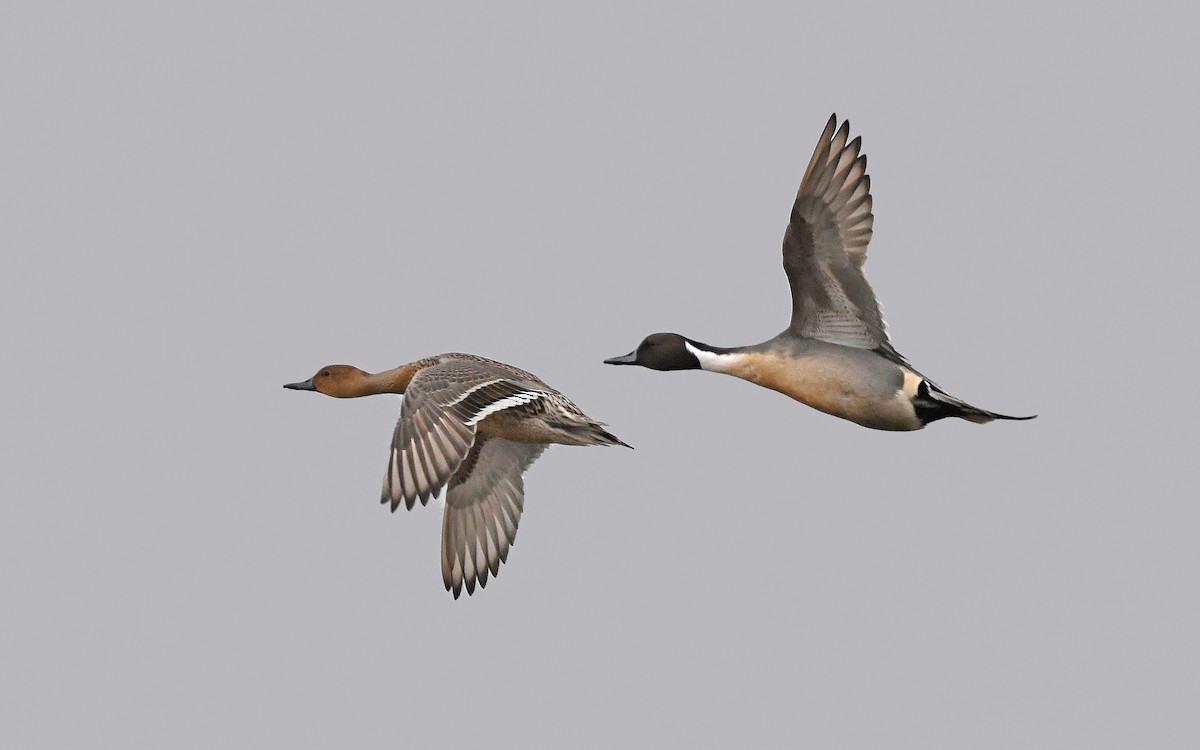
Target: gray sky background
[202,203]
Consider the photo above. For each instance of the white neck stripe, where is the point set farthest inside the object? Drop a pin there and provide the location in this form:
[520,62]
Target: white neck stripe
[712,361]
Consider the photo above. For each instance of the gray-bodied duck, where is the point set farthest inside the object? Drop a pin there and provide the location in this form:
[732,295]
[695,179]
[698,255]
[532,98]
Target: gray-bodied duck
[835,355]
[472,425]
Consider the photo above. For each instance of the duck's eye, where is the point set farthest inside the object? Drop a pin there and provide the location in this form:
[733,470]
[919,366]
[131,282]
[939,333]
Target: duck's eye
[325,374]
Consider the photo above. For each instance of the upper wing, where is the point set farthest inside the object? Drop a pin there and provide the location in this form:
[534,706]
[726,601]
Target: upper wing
[436,429]
[483,508]
[825,246]
[428,444]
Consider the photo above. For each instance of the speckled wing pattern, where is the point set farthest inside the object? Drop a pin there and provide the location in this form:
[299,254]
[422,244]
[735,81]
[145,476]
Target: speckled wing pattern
[825,247]
[442,406]
[483,507]
[429,442]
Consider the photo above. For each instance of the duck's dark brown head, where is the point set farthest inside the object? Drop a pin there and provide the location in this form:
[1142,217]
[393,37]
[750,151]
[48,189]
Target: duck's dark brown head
[660,351]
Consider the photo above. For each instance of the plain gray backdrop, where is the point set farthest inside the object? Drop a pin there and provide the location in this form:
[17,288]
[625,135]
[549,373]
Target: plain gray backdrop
[201,202]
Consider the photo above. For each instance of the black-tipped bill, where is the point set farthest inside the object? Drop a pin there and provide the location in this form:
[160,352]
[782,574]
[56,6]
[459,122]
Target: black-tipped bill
[628,359]
[306,385]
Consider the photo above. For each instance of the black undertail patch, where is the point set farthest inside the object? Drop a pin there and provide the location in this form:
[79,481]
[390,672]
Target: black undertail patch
[930,409]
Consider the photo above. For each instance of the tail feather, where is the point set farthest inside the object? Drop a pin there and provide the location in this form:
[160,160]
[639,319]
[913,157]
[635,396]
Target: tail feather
[581,431]
[601,436]
[932,404]
[983,416]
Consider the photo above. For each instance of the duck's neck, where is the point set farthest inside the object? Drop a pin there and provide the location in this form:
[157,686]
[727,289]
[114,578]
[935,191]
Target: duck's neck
[389,381]
[715,358]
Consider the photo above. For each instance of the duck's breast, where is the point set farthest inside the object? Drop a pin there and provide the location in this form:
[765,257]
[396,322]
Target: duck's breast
[854,384]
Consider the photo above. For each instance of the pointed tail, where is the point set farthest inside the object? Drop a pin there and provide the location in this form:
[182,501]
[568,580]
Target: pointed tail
[932,404]
[601,436]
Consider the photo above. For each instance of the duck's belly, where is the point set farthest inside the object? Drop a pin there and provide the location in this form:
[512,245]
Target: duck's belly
[521,429]
[838,388]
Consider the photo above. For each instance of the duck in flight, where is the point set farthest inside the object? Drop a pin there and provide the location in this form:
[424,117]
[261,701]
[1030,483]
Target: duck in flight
[473,426]
[835,355]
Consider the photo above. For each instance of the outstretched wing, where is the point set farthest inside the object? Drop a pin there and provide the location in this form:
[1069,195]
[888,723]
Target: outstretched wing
[825,246]
[483,507]
[436,429]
